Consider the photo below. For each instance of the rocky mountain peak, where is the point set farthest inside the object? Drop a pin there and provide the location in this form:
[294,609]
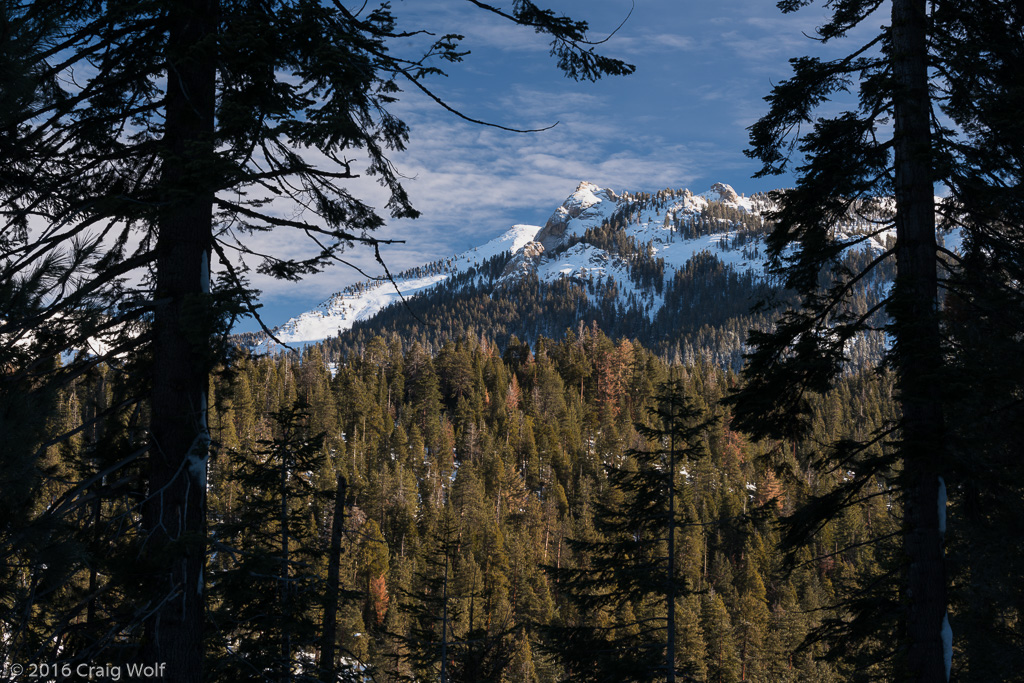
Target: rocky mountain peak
[523,261]
[725,193]
[579,203]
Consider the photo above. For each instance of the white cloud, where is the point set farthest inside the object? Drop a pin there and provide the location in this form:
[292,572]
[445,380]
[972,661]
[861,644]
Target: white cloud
[471,183]
[702,71]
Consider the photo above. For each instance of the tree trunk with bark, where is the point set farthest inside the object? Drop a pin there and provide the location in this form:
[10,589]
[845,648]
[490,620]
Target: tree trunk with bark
[174,514]
[328,665]
[918,346]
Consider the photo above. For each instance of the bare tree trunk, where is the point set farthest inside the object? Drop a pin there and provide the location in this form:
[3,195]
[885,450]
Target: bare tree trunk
[175,511]
[918,346]
[329,635]
[286,636]
[670,644]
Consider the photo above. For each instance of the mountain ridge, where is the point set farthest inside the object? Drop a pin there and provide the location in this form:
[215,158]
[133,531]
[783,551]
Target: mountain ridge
[533,250]
[676,270]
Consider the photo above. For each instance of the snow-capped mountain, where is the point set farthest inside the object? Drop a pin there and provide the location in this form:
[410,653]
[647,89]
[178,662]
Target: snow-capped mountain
[560,249]
[625,252]
[538,250]
[364,300]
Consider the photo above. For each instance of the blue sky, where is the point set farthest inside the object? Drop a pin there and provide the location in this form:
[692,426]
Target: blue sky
[679,121]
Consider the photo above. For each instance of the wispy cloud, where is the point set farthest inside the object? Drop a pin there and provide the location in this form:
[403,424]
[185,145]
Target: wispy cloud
[472,183]
[680,121]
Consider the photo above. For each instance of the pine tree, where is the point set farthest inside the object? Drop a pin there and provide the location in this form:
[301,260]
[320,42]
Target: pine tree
[267,593]
[723,661]
[430,640]
[333,594]
[631,572]
[751,622]
[198,85]
[847,165]
[983,313]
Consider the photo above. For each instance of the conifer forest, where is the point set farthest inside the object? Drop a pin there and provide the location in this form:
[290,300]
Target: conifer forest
[809,474]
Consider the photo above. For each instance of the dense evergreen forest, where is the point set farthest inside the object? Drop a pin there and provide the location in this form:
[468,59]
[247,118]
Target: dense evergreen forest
[451,506]
[539,484]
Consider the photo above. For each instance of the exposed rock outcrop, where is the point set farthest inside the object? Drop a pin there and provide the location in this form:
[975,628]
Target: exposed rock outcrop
[725,193]
[525,260]
[586,195]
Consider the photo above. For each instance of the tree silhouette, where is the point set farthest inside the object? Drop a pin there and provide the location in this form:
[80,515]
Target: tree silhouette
[944,131]
[140,141]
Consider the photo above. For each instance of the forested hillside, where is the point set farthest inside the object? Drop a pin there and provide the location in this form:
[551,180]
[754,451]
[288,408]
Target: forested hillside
[575,454]
[472,488]
[680,274]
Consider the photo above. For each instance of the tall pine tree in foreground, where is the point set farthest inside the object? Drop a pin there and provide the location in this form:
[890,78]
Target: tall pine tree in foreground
[848,162]
[154,166]
[627,584]
[984,313]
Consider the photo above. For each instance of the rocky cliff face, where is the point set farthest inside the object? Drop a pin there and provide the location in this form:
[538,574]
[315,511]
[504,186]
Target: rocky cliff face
[725,193]
[524,261]
[578,205]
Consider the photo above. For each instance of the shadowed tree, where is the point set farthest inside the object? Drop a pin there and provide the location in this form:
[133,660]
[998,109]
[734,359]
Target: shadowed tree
[267,593]
[630,572]
[141,141]
[921,74]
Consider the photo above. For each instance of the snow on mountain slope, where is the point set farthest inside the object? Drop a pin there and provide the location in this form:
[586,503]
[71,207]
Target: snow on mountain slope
[364,301]
[655,225]
[67,328]
[511,241]
[587,207]
[660,232]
